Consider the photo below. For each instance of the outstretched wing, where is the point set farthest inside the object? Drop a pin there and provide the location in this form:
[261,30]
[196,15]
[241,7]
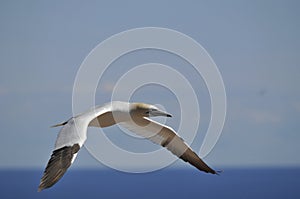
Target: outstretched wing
[60,161]
[167,137]
[68,143]
[69,140]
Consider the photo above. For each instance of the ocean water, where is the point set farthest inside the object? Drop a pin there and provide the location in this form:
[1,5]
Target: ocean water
[167,183]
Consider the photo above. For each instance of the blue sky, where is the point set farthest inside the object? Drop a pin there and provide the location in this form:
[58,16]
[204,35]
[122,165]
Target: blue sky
[255,44]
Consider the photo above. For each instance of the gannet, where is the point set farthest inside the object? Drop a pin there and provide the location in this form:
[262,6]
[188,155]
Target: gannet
[133,116]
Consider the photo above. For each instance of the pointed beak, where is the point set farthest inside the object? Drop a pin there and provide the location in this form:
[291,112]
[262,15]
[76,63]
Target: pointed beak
[159,113]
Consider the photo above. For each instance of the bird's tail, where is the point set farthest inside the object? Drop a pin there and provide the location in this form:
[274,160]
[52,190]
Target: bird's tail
[60,124]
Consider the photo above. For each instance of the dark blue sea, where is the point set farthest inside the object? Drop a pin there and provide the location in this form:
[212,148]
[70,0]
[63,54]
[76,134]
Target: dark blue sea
[168,183]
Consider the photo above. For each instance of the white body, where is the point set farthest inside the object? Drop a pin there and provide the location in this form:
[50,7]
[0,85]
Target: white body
[134,117]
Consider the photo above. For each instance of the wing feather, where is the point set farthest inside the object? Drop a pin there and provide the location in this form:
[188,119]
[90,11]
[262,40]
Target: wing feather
[168,138]
[61,159]
[69,140]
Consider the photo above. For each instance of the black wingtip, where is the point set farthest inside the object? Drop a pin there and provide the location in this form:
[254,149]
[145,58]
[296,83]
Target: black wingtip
[41,187]
[60,161]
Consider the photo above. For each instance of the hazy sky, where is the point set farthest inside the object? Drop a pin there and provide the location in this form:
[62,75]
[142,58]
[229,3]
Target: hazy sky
[255,44]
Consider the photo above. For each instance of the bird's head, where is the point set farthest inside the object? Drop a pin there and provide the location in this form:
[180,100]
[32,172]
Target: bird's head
[146,110]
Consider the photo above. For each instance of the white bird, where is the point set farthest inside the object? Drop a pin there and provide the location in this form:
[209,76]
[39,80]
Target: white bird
[134,117]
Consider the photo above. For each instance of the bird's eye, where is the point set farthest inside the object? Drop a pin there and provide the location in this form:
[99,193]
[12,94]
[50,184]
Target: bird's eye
[151,110]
